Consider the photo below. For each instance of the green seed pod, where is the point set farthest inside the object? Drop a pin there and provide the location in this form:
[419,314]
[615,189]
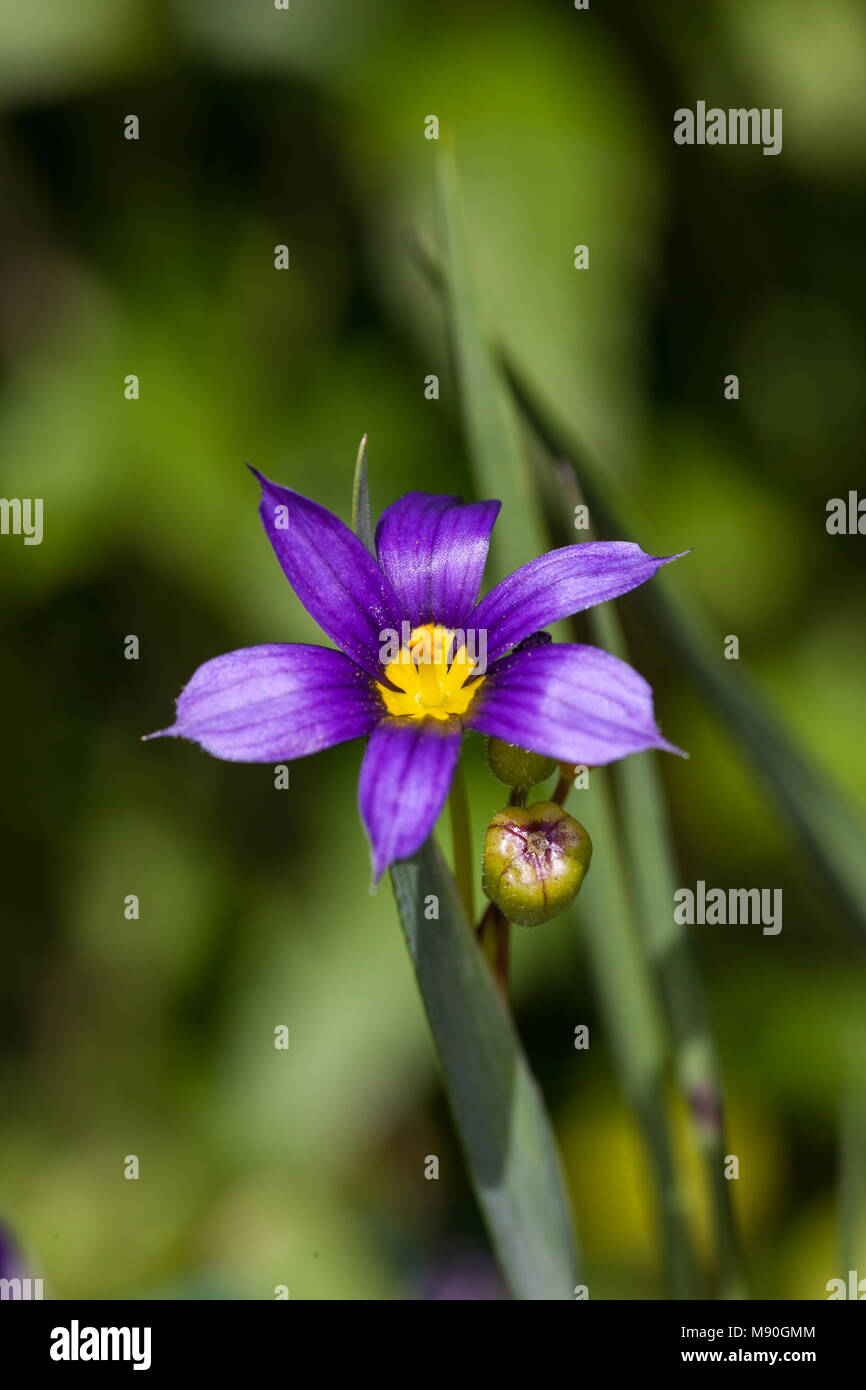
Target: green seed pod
[535,859]
[515,766]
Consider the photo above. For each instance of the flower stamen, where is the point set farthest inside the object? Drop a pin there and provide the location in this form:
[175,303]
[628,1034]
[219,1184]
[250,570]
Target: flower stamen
[431,678]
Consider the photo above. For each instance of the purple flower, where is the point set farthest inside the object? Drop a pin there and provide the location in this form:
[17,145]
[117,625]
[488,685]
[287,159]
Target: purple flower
[420,660]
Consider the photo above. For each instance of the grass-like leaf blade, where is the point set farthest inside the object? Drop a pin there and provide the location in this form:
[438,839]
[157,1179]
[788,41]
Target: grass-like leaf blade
[503,1126]
[501,1121]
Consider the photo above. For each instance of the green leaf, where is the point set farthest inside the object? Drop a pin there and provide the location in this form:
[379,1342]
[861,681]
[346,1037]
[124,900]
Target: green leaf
[651,861]
[852,1178]
[817,813]
[633,1021]
[490,425]
[503,1127]
[651,864]
[633,1018]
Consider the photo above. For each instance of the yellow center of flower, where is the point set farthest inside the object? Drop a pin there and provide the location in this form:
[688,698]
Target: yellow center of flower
[430,676]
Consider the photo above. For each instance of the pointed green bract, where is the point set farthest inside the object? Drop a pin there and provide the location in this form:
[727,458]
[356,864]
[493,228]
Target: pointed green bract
[362,516]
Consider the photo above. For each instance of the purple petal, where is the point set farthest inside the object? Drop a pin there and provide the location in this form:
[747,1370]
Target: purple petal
[405,776]
[558,584]
[266,704]
[573,703]
[433,549]
[333,574]
[11,1263]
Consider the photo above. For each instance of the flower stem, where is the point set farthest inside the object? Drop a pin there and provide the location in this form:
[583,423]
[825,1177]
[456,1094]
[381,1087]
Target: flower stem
[493,933]
[564,785]
[461,836]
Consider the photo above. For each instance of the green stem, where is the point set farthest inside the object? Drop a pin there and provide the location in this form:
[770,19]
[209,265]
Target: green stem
[461,835]
[563,786]
[493,934]
[852,1185]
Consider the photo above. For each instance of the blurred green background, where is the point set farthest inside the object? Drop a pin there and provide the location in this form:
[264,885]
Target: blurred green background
[155,1037]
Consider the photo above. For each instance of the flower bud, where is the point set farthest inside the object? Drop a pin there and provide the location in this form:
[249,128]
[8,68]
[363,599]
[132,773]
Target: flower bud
[515,766]
[535,859]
